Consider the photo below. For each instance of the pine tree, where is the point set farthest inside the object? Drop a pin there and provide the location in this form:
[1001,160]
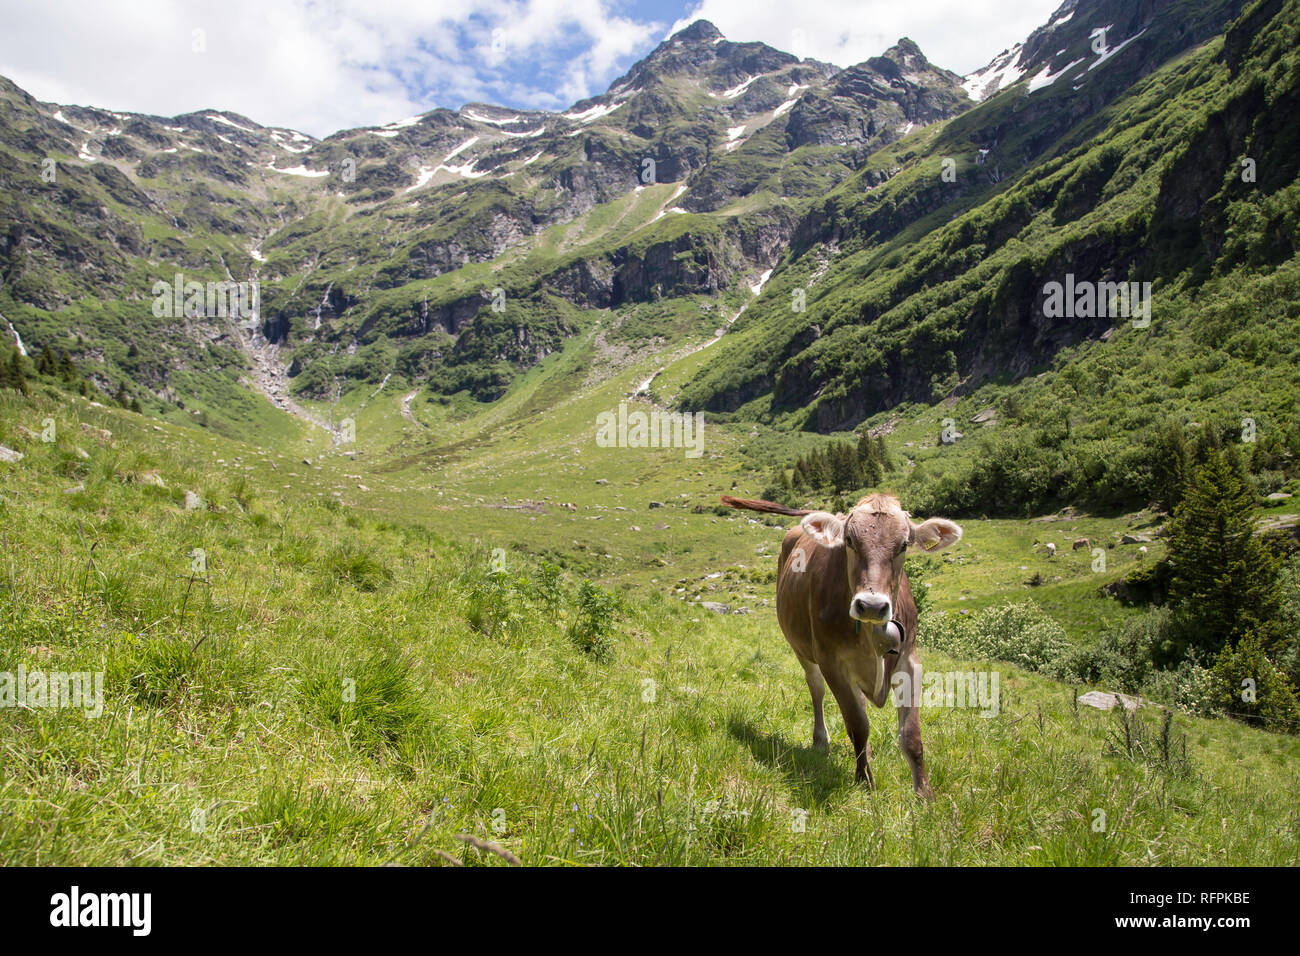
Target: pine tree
[1169,464]
[816,470]
[45,364]
[846,473]
[16,377]
[800,477]
[882,454]
[869,462]
[67,370]
[1223,579]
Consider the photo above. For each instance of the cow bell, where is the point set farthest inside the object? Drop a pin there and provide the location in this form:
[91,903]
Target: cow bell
[894,631]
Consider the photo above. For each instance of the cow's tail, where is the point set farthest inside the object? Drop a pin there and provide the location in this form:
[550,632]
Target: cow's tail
[771,507]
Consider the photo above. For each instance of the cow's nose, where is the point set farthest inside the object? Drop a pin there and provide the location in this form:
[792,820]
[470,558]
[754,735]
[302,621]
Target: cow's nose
[871,606]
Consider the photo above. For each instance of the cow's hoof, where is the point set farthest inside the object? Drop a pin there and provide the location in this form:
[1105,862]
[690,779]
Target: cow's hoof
[924,792]
[823,745]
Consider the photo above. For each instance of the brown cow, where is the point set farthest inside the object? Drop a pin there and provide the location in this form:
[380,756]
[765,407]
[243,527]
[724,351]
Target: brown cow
[846,608]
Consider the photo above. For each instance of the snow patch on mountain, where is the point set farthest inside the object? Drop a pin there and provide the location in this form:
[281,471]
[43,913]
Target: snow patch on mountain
[735,91]
[998,75]
[480,118]
[402,124]
[593,113]
[1107,53]
[296,171]
[1045,77]
[216,118]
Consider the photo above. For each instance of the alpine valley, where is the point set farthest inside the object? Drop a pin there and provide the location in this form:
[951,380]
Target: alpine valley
[279,412]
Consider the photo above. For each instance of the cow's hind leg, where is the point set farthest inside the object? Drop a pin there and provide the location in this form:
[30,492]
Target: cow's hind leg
[852,707]
[817,687]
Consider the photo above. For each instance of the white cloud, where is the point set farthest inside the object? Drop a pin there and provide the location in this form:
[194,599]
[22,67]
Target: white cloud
[314,66]
[958,35]
[325,65]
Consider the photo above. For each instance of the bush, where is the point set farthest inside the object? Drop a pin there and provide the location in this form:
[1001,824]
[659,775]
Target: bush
[1021,634]
[496,605]
[1247,685]
[1189,688]
[917,570]
[593,626]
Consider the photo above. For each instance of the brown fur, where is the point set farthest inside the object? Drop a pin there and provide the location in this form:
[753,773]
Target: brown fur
[818,581]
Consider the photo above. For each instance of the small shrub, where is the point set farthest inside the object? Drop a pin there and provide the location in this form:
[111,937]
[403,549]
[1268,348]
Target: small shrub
[1021,634]
[495,605]
[592,628]
[1249,686]
[548,584]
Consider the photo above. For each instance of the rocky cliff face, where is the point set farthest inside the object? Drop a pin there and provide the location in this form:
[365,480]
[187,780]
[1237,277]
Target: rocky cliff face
[350,235]
[1072,165]
[709,162]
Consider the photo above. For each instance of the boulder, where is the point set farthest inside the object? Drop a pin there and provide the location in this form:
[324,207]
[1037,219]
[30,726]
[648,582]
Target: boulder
[1105,701]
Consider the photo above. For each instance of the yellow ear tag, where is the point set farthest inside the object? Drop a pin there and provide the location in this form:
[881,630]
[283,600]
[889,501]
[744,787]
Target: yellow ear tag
[931,543]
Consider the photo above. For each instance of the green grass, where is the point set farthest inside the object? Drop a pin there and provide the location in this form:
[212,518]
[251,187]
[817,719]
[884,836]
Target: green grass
[348,683]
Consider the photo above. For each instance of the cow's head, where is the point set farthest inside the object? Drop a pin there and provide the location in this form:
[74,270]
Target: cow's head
[874,536]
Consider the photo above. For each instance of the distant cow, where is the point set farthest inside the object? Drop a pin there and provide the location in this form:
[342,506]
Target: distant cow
[1080,543]
[846,609]
[1051,550]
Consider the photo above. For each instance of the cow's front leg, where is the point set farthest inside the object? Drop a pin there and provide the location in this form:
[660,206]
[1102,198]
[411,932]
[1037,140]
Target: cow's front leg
[853,707]
[908,698]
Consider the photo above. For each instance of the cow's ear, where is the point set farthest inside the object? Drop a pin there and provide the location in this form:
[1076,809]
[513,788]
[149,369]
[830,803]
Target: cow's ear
[826,529]
[935,534]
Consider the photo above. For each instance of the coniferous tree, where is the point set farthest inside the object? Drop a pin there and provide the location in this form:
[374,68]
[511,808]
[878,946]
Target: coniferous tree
[882,454]
[816,470]
[800,477]
[67,370]
[45,364]
[1169,463]
[846,473]
[869,461]
[1223,580]
[16,376]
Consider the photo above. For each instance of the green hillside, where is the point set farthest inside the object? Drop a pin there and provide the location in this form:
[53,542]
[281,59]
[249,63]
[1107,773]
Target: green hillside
[365,584]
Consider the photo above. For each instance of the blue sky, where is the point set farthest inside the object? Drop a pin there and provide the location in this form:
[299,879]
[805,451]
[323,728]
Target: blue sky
[324,65]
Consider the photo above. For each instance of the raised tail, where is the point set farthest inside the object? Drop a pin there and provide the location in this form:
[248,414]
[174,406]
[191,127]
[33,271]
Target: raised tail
[770,507]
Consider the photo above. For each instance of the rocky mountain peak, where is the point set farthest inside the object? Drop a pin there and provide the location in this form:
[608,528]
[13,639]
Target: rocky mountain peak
[701,31]
[907,54]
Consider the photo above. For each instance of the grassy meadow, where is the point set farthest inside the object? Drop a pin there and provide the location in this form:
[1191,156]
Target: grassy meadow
[366,654]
